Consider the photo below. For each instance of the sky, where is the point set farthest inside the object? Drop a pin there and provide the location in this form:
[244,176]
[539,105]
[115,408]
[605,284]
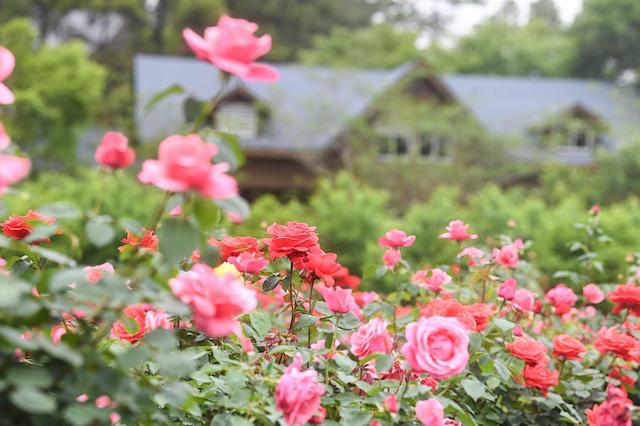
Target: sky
[466,16]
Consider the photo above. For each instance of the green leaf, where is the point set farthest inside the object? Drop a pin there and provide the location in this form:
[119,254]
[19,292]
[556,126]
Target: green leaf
[206,212]
[131,225]
[60,280]
[83,414]
[35,377]
[474,388]
[41,232]
[175,364]
[261,322]
[54,256]
[237,205]
[271,282]
[99,231]
[60,210]
[192,108]
[229,148]
[306,320]
[384,363]
[178,239]
[503,324]
[163,94]
[229,420]
[32,400]
[323,309]
[349,321]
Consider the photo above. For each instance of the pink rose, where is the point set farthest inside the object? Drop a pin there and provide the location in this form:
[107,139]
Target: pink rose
[523,300]
[562,298]
[592,293]
[248,262]
[475,255]
[396,239]
[507,289]
[114,151]
[298,393]
[154,319]
[339,300]
[370,338]
[184,163]
[457,231]
[232,46]
[507,256]
[430,412]
[433,279]
[391,403]
[391,258]
[437,345]
[12,170]
[103,401]
[7,63]
[95,273]
[82,398]
[215,300]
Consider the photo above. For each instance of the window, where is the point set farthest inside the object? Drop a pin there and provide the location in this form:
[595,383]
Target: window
[433,146]
[581,139]
[392,146]
[239,118]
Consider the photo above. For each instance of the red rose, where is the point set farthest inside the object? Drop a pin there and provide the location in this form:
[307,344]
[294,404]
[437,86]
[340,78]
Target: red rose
[626,296]
[292,240]
[321,265]
[567,347]
[540,377]
[616,410]
[148,241]
[619,344]
[132,331]
[345,279]
[529,350]
[449,308]
[481,313]
[19,227]
[234,246]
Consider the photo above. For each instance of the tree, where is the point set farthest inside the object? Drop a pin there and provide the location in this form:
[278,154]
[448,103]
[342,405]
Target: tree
[607,37]
[546,11]
[194,14]
[57,88]
[501,48]
[294,24]
[378,46]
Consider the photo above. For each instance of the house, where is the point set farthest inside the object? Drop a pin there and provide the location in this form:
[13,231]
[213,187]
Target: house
[297,128]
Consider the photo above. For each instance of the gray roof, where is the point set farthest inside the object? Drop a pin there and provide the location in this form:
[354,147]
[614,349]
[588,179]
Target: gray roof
[310,106]
[508,105]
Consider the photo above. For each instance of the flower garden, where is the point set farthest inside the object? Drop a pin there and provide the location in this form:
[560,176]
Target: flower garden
[186,324]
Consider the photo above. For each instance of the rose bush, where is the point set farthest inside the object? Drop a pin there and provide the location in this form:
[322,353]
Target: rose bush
[185,324]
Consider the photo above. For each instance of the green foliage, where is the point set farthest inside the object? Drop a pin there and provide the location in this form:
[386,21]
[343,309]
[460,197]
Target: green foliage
[294,24]
[498,47]
[607,38]
[46,78]
[377,46]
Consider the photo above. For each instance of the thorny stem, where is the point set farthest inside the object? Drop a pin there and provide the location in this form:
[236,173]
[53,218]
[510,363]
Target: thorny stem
[102,194]
[395,316]
[212,104]
[311,306]
[333,339]
[292,300]
[158,214]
